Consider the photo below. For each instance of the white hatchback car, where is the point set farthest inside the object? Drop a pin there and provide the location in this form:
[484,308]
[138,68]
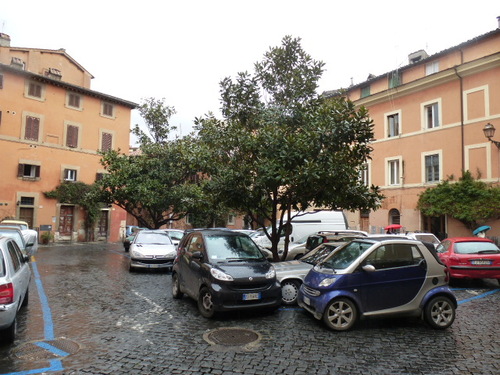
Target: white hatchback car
[15,276]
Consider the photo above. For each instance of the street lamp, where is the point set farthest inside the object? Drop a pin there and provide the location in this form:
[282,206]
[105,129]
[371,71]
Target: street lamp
[489,132]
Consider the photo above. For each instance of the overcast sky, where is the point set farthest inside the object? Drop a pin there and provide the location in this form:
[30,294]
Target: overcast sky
[181,50]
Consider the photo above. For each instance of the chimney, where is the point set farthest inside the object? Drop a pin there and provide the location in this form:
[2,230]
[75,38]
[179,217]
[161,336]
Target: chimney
[417,56]
[4,40]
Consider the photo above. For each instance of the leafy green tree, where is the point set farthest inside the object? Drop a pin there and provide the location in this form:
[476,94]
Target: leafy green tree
[467,200]
[281,147]
[158,183]
[88,197]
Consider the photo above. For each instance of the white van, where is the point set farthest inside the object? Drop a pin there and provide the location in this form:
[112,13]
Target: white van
[305,223]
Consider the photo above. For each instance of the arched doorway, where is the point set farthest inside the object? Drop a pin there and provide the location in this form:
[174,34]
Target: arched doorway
[394,216]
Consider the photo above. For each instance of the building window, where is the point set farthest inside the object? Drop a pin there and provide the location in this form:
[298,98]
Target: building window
[431,113]
[99,176]
[393,125]
[72,136]
[188,219]
[28,171]
[35,90]
[393,167]
[365,91]
[27,201]
[364,174]
[231,219]
[394,216]
[431,68]
[74,100]
[32,128]
[70,175]
[432,168]
[106,141]
[1,81]
[395,79]
[107,109]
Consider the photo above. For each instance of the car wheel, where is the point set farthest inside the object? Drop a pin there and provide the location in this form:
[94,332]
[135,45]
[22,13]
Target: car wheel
[289,292]
[205,303]
[439,312]
[341,314]
[8,335]
[176,288]
[26,298]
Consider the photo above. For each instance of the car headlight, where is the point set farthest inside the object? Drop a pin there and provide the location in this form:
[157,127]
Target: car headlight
[327,282]
[219,275]
[136,254]
[271,274]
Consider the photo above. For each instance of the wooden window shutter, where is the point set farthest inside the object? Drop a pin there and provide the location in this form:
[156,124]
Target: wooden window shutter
[72,136]
[32,128]
[107,141]
[20,170]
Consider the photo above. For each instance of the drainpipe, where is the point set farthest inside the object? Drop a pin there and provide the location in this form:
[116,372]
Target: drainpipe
[462,141]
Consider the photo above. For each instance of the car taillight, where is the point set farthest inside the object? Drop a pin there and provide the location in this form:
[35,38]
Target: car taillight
[6,294]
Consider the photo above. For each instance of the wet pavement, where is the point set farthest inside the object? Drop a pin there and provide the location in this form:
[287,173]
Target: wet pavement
[88,314]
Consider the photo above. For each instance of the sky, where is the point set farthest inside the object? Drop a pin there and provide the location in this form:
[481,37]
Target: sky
[181,50]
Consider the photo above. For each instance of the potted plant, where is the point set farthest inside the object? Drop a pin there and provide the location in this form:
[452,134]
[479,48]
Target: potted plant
[46,237]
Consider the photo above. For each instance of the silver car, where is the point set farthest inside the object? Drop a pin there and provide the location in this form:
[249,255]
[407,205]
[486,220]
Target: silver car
[15,275]
[291,273]
[152,249]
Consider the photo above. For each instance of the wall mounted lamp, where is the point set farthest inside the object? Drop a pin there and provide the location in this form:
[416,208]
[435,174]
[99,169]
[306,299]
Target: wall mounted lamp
[489,132]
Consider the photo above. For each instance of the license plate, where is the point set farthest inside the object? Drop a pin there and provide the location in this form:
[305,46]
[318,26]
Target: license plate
[307,301]
[251,296]
[481,262]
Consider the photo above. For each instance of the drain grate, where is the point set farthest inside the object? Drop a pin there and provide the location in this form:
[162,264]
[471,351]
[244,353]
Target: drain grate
[46,349]
[232,336]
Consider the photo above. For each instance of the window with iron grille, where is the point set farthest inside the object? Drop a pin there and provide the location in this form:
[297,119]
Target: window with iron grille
[32,128]
[106,141]
[27,201]
[72,136]
[29,171]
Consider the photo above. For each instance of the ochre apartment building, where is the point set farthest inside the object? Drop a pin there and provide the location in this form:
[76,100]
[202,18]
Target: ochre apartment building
[52,126]
[428,119]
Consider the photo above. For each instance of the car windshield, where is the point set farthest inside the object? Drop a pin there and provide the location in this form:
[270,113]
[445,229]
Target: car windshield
[346,255]
[427,238]
[476,247]
[176,235]
[153,238]
[231,248]
[318,254]
[15,235]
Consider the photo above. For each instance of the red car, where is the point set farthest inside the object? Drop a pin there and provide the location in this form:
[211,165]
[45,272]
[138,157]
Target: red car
[470,258]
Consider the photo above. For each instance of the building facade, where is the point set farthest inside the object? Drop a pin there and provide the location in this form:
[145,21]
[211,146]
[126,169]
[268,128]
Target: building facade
[428,122]
[52,127]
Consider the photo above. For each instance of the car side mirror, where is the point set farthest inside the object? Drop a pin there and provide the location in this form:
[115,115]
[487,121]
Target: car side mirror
[369,268]
[198,255]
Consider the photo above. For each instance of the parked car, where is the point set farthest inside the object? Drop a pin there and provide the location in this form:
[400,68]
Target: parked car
[15,275]
[30,235]
[175,235]
[470,257]
[128,240]
[424,237]
[378,278]
[296,249]
[224,270]
[17,234]
[291,273]
[152,249]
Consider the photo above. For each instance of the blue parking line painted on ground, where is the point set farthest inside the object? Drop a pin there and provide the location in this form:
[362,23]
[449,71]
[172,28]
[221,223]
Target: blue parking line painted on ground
[479,296]
[53,349]
[55,364]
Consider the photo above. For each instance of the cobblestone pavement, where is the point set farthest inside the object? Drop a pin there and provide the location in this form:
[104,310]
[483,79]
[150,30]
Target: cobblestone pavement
[88,315]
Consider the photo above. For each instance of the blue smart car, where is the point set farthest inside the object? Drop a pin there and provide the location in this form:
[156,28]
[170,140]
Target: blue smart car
[379,277]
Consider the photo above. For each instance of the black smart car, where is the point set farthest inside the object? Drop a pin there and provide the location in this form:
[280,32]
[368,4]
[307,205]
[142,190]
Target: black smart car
[224,270]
